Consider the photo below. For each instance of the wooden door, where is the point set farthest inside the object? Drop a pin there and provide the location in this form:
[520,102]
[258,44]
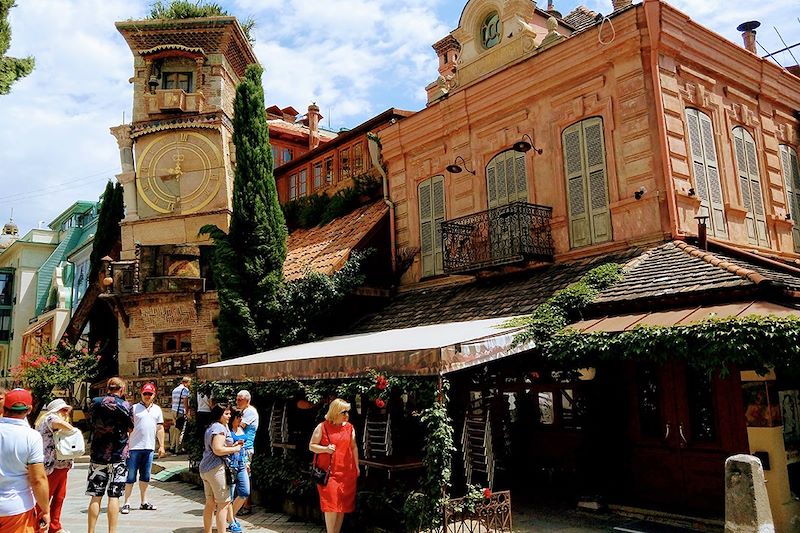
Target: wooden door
[684,425]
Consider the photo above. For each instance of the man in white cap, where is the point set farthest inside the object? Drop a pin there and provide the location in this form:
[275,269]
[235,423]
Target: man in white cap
[23,481]
[148,429]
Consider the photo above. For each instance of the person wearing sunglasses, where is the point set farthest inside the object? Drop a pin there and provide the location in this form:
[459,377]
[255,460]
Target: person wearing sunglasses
[334,442]
[148,430]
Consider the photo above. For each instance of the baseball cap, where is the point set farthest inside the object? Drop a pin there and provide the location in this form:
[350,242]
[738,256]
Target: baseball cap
[148,387]
[18,400]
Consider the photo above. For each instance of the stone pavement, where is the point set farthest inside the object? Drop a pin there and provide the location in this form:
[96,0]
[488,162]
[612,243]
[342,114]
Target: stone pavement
[180,510]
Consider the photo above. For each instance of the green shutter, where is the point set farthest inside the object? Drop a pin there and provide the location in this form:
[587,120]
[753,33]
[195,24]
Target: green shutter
[576,190]
[750,183]
[705,168]
[791,176]
[600,214]
[431,216]
[437,191]
[506,179]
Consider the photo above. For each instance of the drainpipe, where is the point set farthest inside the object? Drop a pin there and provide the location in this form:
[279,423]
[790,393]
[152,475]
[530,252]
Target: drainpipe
[374,144]
[652,13]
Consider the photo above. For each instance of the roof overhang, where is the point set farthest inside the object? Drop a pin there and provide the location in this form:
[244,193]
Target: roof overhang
[420,351]
[683,317]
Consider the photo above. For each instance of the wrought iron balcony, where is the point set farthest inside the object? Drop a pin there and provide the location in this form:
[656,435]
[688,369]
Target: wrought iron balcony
[511,233]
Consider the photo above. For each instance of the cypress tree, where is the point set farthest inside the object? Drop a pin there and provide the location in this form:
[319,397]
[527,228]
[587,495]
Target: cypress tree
[11,68]
[108,234]
[248,260]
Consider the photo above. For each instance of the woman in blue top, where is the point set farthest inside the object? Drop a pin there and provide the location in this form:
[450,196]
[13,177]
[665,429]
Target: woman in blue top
[218,445]
[240,464]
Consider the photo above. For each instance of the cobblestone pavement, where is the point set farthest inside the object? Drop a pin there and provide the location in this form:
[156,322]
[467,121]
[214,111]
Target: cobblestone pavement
[180,510]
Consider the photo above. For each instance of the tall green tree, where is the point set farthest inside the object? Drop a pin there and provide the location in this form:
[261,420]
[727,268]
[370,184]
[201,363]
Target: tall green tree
[11,68]
[108,234]
[248,260]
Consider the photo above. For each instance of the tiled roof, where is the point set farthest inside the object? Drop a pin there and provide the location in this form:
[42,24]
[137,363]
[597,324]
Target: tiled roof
[498,296]
[581,18]
[296,127]
[678,270]
[669,270]
[325,249]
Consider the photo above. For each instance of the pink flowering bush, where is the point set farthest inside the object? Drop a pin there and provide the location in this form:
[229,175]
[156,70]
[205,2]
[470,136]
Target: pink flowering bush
[58,367]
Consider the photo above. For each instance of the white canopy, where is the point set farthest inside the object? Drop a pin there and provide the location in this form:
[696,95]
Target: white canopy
[423,350]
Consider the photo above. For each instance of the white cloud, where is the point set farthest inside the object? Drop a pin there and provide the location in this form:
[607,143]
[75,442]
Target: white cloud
[354,58]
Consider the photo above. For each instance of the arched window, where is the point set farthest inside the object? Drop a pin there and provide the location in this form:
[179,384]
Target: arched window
[791,177]
[431,215]
[750,183]
[506,178]
[587,182]
[705,167]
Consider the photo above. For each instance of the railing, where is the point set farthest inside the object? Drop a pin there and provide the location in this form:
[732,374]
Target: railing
[491,515]
[174,284]
[511,233]
[125,276]
[173,100]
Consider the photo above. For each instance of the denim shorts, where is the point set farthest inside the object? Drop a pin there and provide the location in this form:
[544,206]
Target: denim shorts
[241,488]
[140,461]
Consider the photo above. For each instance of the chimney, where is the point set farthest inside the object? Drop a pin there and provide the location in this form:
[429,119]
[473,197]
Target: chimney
[702,236]
[313,125]
[448,50]
[620,4]
[550,6]
[748,30]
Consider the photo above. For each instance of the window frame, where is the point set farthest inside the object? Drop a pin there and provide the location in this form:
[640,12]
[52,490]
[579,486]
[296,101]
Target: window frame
[165,81]
[709,184]
[160,340]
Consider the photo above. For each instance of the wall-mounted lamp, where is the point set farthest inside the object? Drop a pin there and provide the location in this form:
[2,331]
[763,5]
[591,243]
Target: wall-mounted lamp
[455,168]
[638,194]
[523,146]
[691,191]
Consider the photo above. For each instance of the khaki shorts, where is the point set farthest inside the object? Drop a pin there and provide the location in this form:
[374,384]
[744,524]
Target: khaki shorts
[214,485]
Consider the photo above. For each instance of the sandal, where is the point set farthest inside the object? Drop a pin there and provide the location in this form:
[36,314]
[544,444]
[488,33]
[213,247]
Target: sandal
[125,509]
[148,507]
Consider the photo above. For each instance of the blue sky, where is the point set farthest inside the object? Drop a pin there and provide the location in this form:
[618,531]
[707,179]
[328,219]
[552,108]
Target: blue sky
[354,58]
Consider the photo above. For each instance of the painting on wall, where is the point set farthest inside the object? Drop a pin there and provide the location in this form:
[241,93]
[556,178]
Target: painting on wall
[789,409]
[763,407]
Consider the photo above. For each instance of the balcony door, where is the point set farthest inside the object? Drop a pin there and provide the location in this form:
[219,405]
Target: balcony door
[506,183]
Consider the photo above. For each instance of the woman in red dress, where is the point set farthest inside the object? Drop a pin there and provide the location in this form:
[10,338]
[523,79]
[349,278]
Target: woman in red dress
[334,442]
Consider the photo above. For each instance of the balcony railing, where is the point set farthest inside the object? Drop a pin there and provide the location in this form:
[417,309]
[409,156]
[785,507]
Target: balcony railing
[173,100]
[174,284]
[507,234]
[125,276]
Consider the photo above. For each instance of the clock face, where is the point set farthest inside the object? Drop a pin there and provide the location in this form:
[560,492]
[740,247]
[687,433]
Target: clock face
[179,172]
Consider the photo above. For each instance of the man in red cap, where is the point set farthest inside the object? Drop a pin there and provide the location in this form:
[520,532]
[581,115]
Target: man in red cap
[23,481]
[148,429]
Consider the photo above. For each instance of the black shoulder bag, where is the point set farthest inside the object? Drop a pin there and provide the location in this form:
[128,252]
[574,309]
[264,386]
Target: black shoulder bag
[319,475]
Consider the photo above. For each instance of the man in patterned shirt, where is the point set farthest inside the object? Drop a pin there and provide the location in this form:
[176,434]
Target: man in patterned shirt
[111,419]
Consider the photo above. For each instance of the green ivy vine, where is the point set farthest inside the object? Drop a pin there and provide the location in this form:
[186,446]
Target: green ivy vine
[713,345]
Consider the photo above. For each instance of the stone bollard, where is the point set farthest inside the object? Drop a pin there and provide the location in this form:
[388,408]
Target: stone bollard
[746,502]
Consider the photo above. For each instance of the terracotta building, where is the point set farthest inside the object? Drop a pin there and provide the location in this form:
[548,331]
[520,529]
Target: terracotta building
[552,144]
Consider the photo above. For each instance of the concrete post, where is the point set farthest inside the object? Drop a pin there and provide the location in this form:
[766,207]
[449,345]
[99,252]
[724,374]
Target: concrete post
[746,502]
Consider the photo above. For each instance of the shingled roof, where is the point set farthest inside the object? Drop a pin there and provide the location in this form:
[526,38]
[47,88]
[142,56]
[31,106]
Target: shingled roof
[581,18]
[679,273]
[492,297]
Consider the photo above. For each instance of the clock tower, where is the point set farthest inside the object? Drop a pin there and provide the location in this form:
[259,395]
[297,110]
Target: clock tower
[177,160]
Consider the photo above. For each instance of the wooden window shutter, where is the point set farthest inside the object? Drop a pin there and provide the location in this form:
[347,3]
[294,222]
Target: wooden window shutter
[705,167]
[437,201]
[750,183]
[572,140]
[791,176]
[600,220]
[506,179]
[431,215]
